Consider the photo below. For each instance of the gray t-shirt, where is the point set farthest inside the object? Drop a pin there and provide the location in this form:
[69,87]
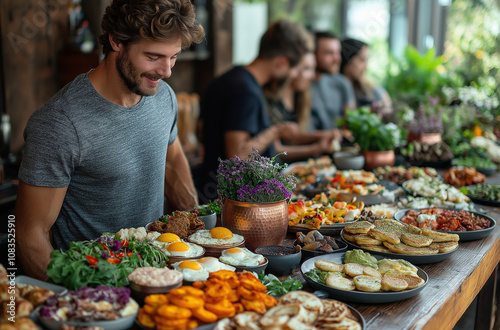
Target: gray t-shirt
[329,95]
[111,158]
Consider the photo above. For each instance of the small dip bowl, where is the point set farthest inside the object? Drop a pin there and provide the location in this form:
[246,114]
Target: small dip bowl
[282,259]
[139,291]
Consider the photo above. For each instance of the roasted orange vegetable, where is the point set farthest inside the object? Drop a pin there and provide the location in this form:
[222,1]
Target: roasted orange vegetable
[165,323]
[238,307]
[150,310]
[268,300]
[248,294]
[187,301]
[204,315]
[173,312]
[233,296]
[145,319]
[222,309]
[254,306]
[156,299]
[187,291]
[217,289]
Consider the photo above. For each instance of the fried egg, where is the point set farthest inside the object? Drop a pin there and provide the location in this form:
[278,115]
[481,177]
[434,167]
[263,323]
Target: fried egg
[191,270]
[213,264]
[215,236]
[179,249]
[168,238]
[241,257]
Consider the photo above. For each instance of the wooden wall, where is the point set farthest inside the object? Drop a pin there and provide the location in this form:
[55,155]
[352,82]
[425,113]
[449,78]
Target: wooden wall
[33,33]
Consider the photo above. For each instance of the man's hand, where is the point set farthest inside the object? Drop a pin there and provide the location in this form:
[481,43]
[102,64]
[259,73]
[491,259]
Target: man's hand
[288,131]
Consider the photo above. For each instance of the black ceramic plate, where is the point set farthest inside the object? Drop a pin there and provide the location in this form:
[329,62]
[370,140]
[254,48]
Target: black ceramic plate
[359,296]
[414,259]
[22,279]
[482,201]
[121,323]
[329,230]
[209,326]
[311,254]
[464,235]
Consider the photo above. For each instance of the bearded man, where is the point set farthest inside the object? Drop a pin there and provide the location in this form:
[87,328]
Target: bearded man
[103,153]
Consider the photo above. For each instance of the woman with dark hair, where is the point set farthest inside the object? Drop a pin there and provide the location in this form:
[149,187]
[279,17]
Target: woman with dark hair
[353,67]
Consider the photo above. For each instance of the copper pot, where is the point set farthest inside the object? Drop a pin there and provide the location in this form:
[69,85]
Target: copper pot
[259,223]
[374,159]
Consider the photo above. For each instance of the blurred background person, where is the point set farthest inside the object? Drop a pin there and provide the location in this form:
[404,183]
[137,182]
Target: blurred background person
[332,94]
[353,67]
[233,108]
[291,101]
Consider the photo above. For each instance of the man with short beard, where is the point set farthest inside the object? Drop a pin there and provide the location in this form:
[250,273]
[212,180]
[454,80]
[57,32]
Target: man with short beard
[103,153]
[331,93]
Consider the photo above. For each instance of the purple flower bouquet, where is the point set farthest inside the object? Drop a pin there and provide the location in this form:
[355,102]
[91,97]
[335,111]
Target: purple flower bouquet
[257,179]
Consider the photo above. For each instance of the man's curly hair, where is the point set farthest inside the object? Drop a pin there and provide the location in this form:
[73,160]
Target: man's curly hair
[129,21]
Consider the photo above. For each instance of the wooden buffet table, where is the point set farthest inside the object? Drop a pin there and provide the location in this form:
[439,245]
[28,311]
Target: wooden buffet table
[453,284]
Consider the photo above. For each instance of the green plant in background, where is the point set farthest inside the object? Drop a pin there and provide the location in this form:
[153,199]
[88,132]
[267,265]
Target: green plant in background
[471,55]
[369,132]
[415,77]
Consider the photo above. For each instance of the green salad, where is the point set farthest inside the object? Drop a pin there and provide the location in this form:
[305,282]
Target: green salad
[106,260]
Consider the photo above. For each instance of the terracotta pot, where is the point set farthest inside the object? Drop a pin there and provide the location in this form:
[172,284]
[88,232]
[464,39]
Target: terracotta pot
[374,159]
[429,138]
[259,223]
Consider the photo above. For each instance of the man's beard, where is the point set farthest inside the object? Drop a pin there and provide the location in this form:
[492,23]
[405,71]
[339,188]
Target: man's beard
[128,72]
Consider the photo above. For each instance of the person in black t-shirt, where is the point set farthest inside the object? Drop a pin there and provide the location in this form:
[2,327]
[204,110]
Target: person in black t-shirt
[233,108]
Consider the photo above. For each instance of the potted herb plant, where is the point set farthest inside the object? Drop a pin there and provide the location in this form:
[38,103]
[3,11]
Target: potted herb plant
[375,139]
[426,124]
[254,194]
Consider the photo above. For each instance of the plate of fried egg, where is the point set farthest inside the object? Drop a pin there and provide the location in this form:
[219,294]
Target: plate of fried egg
[244,259]
[177,249]
[215,240]
[198,270]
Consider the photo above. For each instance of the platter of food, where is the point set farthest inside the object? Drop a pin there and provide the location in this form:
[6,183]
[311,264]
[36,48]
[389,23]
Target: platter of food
[316,244]
[322,214]
[428,192]
[351,282]
[216,240]
[485,194]
[310,172]
[393,239]
[400,174]
[468,225]
[301,310]
[105,307]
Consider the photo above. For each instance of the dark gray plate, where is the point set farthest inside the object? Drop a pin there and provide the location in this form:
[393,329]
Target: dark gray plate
[484,201]
[414,259]
[329,230]
[311,254]
[22,279]
[358,296]
[464,235]
[122,323]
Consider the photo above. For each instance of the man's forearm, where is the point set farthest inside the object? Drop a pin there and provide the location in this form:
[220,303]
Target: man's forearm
[34,251]
[261,142]
[179,188]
